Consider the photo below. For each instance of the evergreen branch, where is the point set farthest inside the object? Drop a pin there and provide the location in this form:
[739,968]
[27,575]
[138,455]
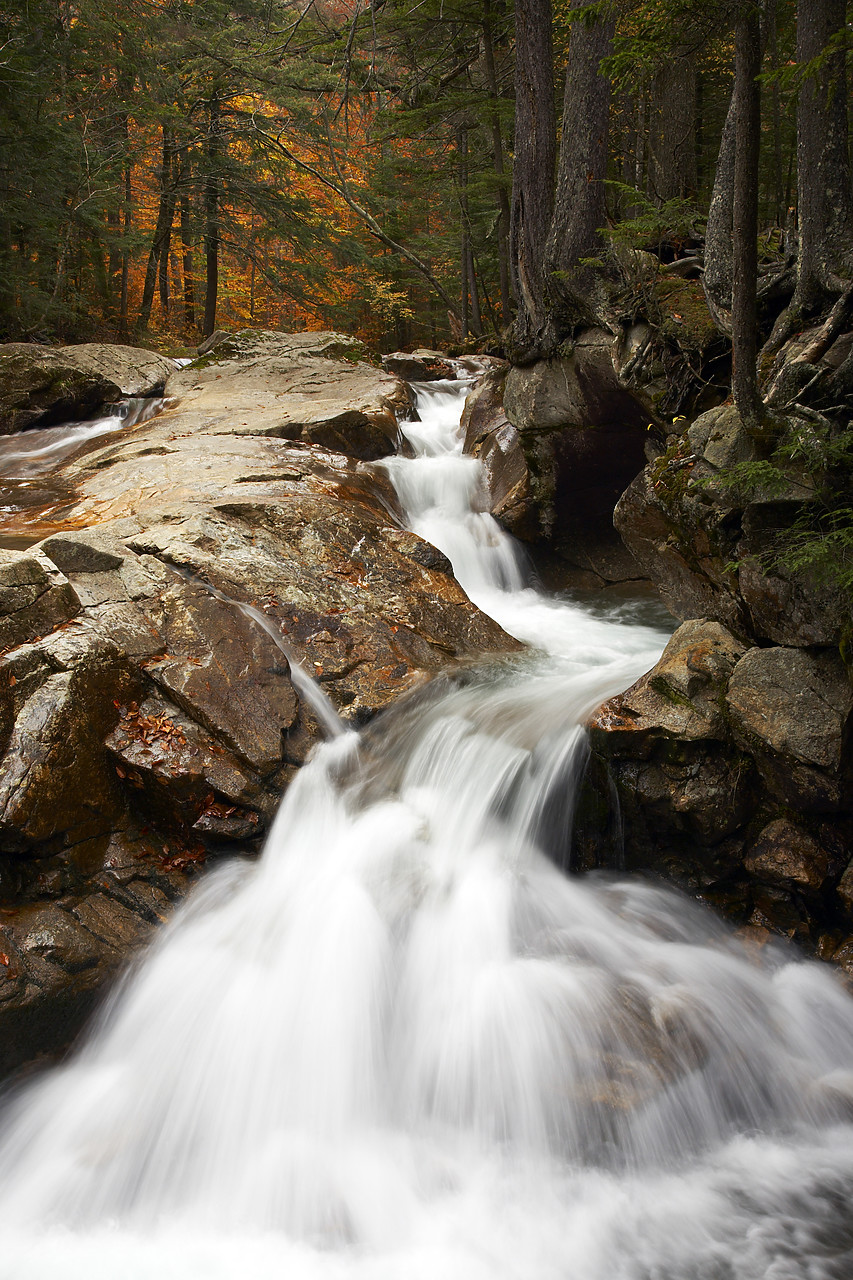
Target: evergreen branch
[341,190]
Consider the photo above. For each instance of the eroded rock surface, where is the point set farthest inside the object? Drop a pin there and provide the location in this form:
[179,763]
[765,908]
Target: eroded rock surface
[51,384]
[712,551]
[150,724]
[582,433]
[732,766]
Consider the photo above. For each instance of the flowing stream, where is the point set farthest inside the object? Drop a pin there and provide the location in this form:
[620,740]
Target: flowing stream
[43,449]
[405,1046]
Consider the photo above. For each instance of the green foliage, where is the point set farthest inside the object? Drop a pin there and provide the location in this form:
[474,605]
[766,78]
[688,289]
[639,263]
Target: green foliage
[819,541]
[650,222]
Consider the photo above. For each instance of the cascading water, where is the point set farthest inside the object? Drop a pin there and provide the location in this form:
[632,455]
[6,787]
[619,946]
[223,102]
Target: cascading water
[403,1046]
[43,449]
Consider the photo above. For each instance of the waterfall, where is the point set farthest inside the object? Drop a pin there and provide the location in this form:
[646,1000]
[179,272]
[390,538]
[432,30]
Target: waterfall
[405,1046]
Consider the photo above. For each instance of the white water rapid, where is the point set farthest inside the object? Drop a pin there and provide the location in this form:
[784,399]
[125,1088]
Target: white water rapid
[42,449]
[404,1046]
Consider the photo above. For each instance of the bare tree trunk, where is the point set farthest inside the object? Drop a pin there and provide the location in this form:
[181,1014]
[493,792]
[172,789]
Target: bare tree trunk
[533,172]
[673,134]
[717,277]
[125,252]
[579,206]
[778,181]
[211,212]
[171,178]
[187,266]
[165,214]
[499,166]
[464,239]
[476,314]
[745,218]
[823,164]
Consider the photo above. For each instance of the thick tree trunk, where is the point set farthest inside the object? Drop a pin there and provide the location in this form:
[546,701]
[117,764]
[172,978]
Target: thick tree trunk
[499,165]
[673,135]
[745,218]
[717,277]
[579,205]
[533,172]
[823,163]
[211,215]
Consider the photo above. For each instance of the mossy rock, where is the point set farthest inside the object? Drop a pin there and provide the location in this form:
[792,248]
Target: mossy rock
[684,316]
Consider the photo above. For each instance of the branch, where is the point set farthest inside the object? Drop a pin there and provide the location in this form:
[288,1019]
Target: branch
[342,192]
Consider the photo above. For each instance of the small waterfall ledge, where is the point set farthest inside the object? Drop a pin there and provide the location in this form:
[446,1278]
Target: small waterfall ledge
[403,1043]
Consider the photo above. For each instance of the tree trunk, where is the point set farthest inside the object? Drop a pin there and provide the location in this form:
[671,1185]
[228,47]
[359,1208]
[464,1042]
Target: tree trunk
[579,205]
[533,172]
[476,313]
[717,277]
[125,252]
[499,166]
[745,218]
[823,165]
[464,238]
[187,268]
[779,210]
[211,214]
[165,213]
[673,133]
[168,219]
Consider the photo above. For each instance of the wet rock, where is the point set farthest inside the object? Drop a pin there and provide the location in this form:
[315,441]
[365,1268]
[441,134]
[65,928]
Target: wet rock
[845,891]
[583,435]
[786,855]
[148,723]
[491,437]
[680,699]
[55,786]
[420,366]
[269,384]
[39,384]
[34,598]
[178,773]
[246,344]
[227,674]
[56,958]
[792,709]
[712,551]
[732,770]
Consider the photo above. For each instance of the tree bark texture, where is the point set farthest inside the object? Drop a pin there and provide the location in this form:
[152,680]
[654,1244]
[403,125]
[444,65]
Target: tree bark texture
[673,134]
[499,165]
[533,173]
[745,218]
[579,204]
[160,240]
[717,277]
[187,267]
[825,215]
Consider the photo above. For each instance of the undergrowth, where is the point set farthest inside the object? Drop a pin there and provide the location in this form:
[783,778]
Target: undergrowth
[819,540]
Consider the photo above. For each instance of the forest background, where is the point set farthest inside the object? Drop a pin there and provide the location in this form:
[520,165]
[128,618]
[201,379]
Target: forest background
[167,166]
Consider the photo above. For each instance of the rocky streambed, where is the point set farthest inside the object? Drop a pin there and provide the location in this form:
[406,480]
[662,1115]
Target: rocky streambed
[147,725]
